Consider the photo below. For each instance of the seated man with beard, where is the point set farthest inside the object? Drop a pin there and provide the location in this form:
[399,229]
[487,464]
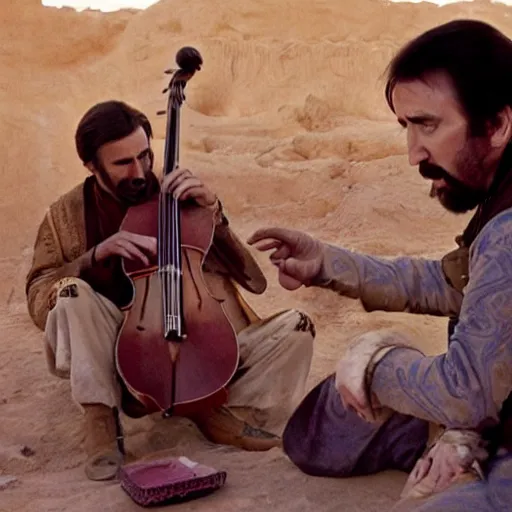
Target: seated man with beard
[446,419]
[75,294]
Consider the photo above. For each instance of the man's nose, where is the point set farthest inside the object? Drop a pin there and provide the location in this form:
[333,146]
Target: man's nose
[416,151]
[137,171]
[417,154]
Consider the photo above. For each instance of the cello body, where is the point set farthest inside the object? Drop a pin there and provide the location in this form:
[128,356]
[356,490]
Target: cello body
[176,350]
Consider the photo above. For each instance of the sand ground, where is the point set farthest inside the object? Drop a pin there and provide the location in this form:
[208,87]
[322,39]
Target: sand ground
[287,122]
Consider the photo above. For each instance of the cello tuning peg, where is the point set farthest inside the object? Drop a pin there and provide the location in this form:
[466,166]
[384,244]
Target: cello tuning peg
[165,90]
[169,71]
[161,113]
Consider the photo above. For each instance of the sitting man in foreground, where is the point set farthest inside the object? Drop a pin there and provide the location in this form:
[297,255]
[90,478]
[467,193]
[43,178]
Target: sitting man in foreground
[76,294]
[451,89]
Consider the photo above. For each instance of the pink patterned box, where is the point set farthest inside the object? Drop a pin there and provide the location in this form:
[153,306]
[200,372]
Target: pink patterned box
[169,480]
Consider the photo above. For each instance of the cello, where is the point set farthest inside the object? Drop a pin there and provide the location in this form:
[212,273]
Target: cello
[176,350]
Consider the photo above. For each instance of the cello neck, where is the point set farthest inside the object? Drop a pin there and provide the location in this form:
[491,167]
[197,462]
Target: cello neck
[172,138]
[169,230]
[189,61]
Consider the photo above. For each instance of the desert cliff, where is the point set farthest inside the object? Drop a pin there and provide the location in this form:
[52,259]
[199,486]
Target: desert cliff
[287,122]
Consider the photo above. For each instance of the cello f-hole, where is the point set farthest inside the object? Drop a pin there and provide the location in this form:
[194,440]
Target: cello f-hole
[143,306]
[199,298]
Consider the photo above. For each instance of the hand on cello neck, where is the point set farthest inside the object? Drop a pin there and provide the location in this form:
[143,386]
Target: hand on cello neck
[183,185]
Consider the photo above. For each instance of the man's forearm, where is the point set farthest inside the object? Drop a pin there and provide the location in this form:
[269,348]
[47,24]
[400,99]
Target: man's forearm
[403,284]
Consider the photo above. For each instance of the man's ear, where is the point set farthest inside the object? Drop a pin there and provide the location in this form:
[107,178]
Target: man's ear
[501,129]
[90,166]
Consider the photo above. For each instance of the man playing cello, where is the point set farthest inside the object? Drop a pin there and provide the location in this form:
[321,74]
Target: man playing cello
[75,295]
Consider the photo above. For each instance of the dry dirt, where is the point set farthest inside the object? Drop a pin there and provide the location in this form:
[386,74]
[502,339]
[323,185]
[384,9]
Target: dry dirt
[287,122]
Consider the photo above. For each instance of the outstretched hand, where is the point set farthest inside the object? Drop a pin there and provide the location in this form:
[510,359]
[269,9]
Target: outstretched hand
[297,255]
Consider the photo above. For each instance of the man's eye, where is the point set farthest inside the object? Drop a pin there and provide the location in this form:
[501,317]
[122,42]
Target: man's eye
[428,128]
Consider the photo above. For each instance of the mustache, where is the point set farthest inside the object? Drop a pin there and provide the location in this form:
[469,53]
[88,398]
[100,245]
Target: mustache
[132,187]
[133,184]
[433,172]
[135,190]
[455,195]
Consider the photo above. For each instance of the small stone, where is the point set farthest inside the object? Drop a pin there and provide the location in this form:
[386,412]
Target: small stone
[6,480]
[27,452]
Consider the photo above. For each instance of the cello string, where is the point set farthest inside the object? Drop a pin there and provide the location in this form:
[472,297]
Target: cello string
[177,268]
[179,276]
[161,262]
[166,264]
[167,261]
[170,244]
[176,246]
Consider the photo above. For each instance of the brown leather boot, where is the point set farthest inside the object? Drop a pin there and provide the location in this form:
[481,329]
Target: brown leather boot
[103,455]
[224,427]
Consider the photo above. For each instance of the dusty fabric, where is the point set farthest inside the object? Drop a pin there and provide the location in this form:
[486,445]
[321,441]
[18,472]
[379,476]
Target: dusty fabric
[467,386]
[59,243]
[493,494]
[275,354]
[414,285]
[464,388]
[60,250]
[323,438]
[80,335]
[354,376]
[499,198]
[355,371]
[103,217]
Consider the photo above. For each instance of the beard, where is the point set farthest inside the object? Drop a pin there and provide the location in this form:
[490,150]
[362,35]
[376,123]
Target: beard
[456,196]
[131,191]
[138,190]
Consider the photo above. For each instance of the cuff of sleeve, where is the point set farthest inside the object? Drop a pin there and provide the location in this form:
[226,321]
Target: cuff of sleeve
[337,265]
[355,374]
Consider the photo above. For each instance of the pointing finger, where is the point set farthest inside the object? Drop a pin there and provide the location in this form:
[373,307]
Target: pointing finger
[288,236]
[265,245]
